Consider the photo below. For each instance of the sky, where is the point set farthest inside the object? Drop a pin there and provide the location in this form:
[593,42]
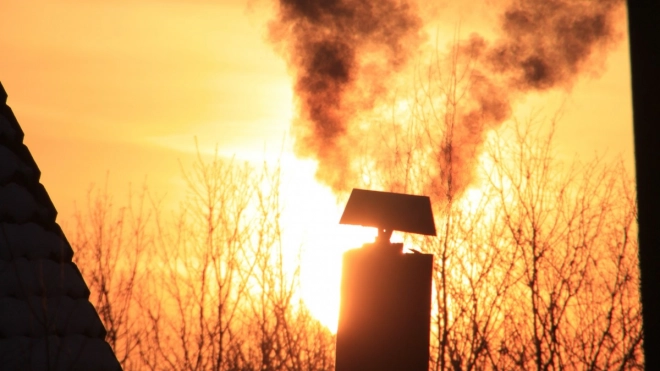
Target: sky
[118,91]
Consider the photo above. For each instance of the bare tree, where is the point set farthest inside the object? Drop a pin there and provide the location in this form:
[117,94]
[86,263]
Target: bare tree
[227,296]
[280,323]
[535,259]
[535,262]
[111,245]
[577,304]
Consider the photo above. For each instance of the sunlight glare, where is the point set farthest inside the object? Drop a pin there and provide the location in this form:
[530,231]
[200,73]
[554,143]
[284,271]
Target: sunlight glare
[310,222]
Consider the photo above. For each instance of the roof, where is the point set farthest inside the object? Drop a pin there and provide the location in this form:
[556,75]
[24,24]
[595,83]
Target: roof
[46,319]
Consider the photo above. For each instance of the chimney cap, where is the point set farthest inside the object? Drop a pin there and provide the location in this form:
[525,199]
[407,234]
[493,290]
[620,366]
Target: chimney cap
[389,211]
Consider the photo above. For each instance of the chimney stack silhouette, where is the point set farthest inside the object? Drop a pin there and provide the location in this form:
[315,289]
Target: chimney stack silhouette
[385,310]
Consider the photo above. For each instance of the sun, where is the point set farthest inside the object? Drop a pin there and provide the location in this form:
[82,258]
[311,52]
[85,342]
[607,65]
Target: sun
[321,270]
[311,230]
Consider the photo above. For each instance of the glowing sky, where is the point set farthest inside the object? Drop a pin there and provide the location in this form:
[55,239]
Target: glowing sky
[123,87]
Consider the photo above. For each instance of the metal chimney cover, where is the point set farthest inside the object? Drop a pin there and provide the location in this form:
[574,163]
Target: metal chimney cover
[391,211]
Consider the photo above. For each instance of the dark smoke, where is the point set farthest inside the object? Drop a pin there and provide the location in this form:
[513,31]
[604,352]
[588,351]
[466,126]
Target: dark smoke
[543,45]
[344,53]
[548,43]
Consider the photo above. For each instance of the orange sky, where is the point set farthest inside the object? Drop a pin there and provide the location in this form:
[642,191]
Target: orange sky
[123,87]
[112,86]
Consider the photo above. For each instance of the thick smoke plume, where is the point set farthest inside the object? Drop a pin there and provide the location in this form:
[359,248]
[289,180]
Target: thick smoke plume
[549,43]
[343,54]
[543,45]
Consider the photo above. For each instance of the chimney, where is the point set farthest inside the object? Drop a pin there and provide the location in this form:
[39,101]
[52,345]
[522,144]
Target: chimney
[385,310]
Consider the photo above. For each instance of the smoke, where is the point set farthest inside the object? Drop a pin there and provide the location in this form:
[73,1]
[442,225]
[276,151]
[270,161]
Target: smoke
[543,45]
[345,54]
[549,43]
[342,53]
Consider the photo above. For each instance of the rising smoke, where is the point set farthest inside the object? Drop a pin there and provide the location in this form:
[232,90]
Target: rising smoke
[344,54]
[548,43]
[341,53]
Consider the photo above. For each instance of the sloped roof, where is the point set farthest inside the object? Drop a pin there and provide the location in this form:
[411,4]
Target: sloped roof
[46,319]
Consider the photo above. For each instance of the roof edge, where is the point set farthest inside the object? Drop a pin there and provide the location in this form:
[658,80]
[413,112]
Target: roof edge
[3,93]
